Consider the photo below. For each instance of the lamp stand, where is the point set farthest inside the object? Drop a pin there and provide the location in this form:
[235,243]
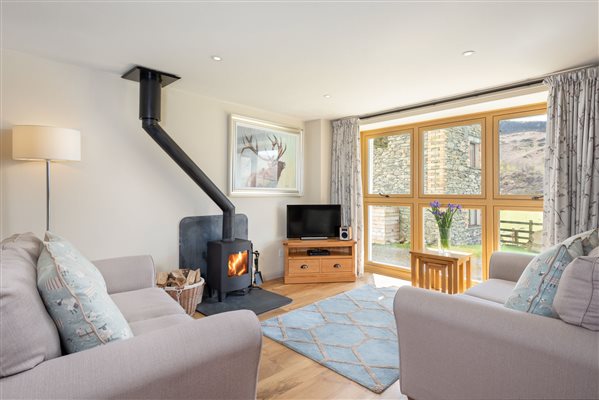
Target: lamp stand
[47,195]
[45,143]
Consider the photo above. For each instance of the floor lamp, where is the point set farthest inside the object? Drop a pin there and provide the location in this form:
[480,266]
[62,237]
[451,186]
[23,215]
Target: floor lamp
[46,143]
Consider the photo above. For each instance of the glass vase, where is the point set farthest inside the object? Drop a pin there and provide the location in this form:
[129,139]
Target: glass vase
[444,236]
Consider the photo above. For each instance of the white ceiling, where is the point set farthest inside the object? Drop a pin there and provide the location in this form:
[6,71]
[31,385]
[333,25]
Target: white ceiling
[283,56]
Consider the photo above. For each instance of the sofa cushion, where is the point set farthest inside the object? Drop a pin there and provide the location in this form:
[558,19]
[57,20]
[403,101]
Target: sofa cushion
[589,240]
[480,300]
[594,252]
[148,303]
[27,334]
[575,247]
[495,290]
[149,325]
[577,297]
[535,290]
[74,293]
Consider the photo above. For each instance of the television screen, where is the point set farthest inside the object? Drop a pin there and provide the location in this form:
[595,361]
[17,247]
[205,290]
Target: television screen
[313,220]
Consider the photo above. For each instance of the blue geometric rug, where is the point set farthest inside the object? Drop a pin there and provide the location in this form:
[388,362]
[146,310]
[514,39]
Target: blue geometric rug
[352,333]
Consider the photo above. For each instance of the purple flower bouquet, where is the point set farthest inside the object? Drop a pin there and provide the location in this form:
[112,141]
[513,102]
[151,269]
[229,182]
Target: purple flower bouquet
[444,220]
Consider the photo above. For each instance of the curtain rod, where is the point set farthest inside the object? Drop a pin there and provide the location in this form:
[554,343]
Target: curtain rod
[496,89]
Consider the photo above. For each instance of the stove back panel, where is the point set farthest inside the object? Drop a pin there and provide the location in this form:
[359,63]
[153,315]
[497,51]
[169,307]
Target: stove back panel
[196,232]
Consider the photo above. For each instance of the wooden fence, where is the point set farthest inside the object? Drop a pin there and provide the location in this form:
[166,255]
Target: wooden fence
[520,237]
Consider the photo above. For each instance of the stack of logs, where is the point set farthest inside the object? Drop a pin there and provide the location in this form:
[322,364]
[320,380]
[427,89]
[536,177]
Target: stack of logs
[178,278]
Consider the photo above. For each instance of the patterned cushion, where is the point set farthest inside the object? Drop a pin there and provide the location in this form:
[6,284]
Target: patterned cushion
[28,335]
[535,290]
[74,293]
[589,240]
[575,247]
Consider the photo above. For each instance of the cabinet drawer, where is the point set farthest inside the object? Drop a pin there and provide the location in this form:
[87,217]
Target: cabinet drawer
[297,267]
[336,265]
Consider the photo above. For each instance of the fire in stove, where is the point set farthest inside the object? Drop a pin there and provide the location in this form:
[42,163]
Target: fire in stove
[229,265]
[238,264]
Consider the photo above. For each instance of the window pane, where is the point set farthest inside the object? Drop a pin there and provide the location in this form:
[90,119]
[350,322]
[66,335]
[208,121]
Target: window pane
[521,154]
[390,164]
[452,160]
[520,231]
[464,237]
[389,233]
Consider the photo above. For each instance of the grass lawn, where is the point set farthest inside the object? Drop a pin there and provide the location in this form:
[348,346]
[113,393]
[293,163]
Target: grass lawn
[475,250]
[517,249]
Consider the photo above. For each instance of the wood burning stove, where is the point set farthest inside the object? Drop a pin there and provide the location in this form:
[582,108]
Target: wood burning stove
[229,266]
[230,259]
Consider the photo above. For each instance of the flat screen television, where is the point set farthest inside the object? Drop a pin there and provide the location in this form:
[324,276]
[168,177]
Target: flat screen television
[310,221]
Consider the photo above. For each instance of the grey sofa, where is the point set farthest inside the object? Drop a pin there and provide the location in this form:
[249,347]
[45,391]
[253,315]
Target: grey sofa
[171,356]
[470,346]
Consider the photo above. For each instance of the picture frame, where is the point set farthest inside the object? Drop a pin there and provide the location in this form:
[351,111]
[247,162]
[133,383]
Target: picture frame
[265,158]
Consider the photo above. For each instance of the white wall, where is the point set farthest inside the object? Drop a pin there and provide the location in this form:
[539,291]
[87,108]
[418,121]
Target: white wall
[126,196]
[318,170]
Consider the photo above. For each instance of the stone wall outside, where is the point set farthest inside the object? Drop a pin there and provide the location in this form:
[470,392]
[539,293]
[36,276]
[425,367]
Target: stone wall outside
[448,171]
[389,224]
[390,157]
[447,163]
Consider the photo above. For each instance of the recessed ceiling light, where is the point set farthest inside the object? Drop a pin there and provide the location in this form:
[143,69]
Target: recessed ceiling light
[468,53]
[326,96]
[217,58]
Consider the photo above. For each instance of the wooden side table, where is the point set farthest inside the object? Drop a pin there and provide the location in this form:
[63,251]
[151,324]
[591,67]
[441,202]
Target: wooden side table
[441,271]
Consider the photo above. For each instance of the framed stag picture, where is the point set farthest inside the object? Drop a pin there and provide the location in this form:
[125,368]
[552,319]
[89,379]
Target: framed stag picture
[266,159]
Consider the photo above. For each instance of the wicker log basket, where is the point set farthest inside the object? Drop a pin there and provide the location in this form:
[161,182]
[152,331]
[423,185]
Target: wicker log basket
[184,286]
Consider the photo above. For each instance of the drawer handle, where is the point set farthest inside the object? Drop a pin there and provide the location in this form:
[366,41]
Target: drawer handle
[337,266]
[304,266]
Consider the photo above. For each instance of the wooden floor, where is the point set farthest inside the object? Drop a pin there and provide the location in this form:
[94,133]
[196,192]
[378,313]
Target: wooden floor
[285,374]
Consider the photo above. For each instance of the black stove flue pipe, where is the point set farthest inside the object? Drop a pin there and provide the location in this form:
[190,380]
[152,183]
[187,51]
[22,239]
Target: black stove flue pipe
[150,86]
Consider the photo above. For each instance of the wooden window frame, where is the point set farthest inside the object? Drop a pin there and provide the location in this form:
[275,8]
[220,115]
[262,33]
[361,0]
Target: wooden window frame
[366,164]
[483,240]
[463,122]
[402,272]
[497,209]
[496,119]
[489,202]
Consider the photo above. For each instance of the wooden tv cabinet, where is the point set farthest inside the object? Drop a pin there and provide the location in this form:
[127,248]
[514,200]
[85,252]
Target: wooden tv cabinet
[339,266]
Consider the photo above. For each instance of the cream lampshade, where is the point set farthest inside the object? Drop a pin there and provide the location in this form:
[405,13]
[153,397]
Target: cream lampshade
[46,143]
[32,142]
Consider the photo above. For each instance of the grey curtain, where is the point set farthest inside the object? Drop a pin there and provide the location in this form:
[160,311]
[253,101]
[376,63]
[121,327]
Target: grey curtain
[346,180]
[571,186]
